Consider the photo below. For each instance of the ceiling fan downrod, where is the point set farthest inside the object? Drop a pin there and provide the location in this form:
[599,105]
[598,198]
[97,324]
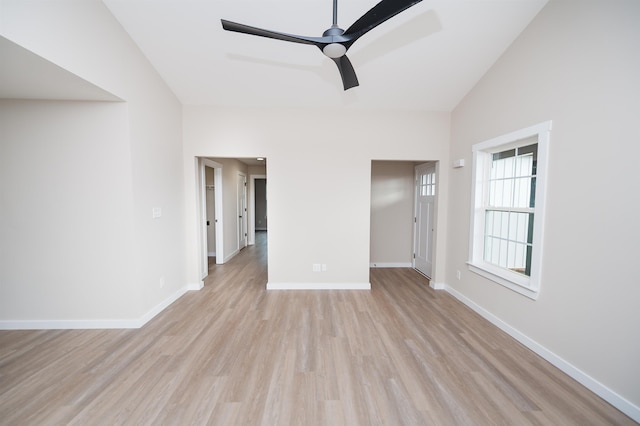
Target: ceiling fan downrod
[334,50]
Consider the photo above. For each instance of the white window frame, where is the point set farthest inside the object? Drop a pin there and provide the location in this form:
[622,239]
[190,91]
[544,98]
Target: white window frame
[482,152]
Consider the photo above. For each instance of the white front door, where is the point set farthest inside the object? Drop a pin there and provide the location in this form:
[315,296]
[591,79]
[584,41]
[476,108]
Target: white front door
[242,211]
[424,219]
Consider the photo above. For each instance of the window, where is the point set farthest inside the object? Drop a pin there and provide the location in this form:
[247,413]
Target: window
[427,184]
[508,208]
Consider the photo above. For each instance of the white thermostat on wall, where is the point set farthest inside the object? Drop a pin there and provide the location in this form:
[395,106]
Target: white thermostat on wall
[458,163]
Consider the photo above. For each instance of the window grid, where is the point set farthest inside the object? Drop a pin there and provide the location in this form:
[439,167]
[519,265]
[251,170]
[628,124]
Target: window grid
[509,209]
[427,184]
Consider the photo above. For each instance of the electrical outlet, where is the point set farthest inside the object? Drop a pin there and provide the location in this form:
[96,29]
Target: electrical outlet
[316,267]
[324,267]
[161,282]
[458,275]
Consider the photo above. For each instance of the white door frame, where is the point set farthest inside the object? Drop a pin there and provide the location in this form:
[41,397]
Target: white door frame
[252,207]
[201,189]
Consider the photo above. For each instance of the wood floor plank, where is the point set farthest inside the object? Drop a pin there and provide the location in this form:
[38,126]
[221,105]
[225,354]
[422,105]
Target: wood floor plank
[236,354]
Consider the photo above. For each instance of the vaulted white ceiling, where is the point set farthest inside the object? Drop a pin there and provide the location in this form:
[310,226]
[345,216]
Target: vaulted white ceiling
[426,58]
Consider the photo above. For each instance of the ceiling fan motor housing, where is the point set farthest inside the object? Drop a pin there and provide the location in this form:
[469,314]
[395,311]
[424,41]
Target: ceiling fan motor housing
[335,49]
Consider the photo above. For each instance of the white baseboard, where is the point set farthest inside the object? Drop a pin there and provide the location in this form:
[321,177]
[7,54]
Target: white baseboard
[69,324]
[168,301]
[390,265]
[580,376]
[437,286]
[211,254]
[195,286]
[318,286]
[230,256]
[98,323]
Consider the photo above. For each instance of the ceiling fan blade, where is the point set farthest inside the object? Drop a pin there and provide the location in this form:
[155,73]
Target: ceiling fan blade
[378,14]
[347,72]
[246,29]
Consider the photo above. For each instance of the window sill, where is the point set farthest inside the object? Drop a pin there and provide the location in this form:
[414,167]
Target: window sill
[515,282]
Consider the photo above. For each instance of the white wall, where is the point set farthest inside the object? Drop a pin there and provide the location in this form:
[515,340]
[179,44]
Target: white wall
[578,65]
[392,212]
[319,180]
[257,170]
[65,223]
[84,38]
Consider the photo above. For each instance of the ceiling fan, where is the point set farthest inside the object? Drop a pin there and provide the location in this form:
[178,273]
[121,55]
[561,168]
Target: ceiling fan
[335,41]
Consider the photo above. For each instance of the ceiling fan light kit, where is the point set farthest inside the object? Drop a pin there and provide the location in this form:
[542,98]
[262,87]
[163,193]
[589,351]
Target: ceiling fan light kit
[335,41]
[334,50]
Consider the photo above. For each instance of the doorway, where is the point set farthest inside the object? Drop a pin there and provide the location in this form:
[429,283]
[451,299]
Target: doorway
[203,215]
[260,200]
[257,216]
[210,201]
[399,218]
[392,210]
[232,190]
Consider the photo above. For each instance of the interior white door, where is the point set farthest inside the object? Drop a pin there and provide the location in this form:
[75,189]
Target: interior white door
[242,211]
[210,211]
[424,218]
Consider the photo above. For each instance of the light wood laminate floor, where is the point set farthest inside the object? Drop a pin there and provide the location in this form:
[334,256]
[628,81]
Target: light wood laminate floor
[236,354]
